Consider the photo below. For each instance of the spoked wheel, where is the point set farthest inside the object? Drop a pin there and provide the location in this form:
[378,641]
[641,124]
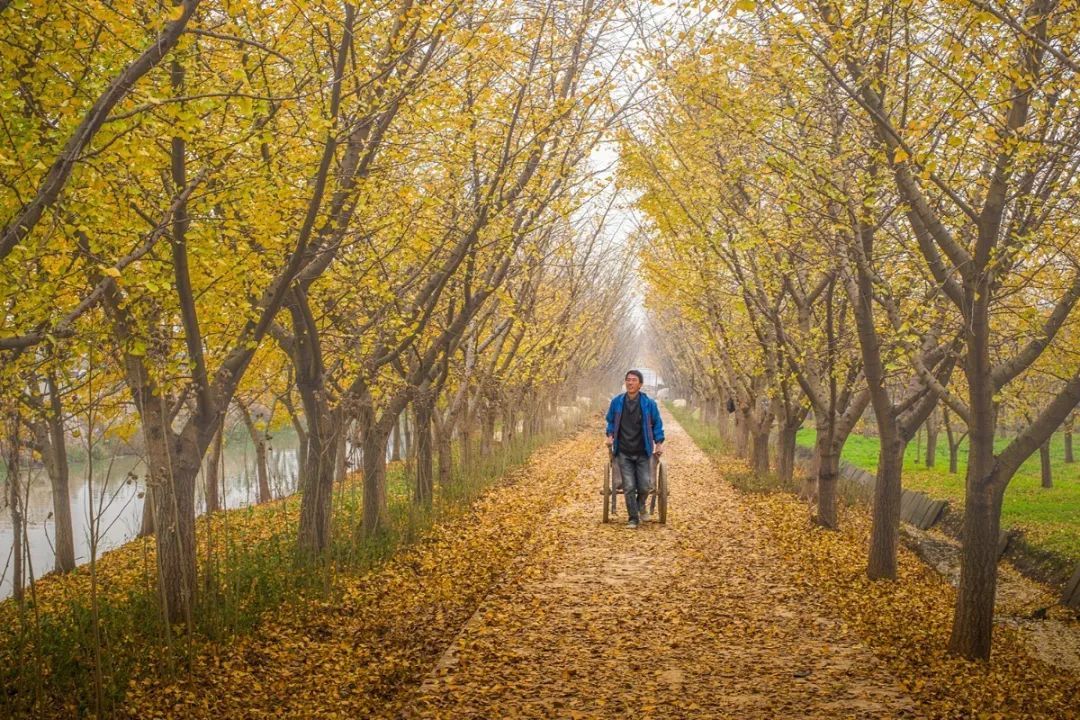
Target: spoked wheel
[662,493]
[607,493]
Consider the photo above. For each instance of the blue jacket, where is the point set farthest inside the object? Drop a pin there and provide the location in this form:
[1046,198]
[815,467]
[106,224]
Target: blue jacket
[650,418]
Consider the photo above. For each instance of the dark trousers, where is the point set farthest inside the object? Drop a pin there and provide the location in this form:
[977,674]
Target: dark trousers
[636,473]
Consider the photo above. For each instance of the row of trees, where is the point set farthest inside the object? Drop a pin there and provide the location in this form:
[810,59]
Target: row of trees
[349,210]
[874,204]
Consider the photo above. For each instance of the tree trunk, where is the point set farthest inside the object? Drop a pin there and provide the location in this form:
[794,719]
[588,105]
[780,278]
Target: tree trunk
[258,438]
[376,517]
[723,423]
[785,454]
[827,473]
[759,453]
[973,618]
[931,440]
[466,443]
[52,444]
[954,459]
[487,432]
[1068,446]
[885,529]
[408,449]
[341,465]
[317,492]
[213,470]
[446,455]
[509,424]
[14,500]
[742,434]
[173,463]
[395,443]
[146,525]
[1044,462]
[423,407]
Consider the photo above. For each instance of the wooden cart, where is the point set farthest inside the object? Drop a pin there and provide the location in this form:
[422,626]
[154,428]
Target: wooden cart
[657,499]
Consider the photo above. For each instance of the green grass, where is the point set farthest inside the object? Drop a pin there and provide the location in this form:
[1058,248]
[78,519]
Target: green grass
[1050,518]
[708,438]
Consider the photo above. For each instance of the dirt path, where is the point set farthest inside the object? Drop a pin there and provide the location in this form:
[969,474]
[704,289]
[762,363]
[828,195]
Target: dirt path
[698,618]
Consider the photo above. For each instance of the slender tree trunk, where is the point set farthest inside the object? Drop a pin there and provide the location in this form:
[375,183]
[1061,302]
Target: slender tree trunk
[317,492]
[828,460]
[376,517]
[446,455]
[262,470]
[64,534]
[1044,462]
[466,443]
[785,454]
[408,449]
[395,443]
[14,501]
[341,466]
[213,470]
[742,434]
[509,424]
[931,440]
[487,432]
[759,453]
[885,530]
[1069,446]
[52,443]
[422,407]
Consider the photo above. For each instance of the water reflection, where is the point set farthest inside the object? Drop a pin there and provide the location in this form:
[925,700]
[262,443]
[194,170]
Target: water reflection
[113,493]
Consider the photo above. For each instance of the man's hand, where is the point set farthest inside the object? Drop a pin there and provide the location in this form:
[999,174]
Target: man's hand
[658,450]
[609,440]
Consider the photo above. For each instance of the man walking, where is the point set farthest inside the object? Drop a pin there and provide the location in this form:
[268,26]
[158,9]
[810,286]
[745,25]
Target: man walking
[635,433]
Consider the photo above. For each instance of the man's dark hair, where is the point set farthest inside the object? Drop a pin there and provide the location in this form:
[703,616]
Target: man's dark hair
[640,377]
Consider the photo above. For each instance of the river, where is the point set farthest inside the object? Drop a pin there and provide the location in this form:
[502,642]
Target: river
[113,494]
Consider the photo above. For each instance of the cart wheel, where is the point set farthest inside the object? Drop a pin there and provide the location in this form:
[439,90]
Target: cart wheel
[661,493]
[606,492]
[612,469]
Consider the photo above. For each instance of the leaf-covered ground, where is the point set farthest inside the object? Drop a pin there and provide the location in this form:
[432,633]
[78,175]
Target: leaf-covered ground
[529,606]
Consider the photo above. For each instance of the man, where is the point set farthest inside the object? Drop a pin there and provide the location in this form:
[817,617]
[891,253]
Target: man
[635,433]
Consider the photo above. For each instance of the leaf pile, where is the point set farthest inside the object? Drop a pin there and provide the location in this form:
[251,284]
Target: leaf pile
[346,657]
[700,618]
[526,605]
[907,622]
[738,608]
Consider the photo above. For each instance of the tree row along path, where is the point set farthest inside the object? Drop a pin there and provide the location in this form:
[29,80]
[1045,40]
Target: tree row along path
[528,606]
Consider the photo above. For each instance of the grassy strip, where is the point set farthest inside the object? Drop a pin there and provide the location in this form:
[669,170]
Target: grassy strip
[1048,517]
[906,622]
[247,566]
